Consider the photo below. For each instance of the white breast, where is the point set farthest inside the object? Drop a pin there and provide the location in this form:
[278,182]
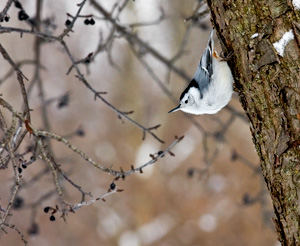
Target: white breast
[218,93]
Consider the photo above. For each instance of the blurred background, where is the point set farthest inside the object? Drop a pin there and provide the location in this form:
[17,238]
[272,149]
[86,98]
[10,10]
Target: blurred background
[210,193]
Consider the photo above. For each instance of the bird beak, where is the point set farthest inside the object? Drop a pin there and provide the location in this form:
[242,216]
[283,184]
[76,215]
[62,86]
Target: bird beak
[174,109]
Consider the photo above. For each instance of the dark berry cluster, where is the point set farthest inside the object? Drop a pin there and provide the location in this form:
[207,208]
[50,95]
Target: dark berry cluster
[22,15]
[23,164]
[47,209]
[89,21]
[6,18]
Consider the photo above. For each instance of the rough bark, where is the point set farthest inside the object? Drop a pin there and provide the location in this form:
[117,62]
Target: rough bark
[269,89]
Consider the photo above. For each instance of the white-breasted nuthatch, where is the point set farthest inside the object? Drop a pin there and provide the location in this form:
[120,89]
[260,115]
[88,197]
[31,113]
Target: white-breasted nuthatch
[211,87]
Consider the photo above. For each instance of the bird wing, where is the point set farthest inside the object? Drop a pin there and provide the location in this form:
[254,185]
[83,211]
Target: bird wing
[204,71]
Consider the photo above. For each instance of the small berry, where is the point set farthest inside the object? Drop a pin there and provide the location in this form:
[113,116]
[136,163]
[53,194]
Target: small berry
[63,101]
[68,23]
[80,132]
[92,21]
[33,229]
[87,60]
[1,20]
[20,170]
[234,155]
[18,5]
[22,15]
[18,203]
[6,18]
[160,152]
[247,200]
[24,166]
[190,172]
[52,217]
[112,186]
[46,209]
[87,22]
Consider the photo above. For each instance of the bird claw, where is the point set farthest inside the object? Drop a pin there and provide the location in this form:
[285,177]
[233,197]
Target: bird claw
[226,58]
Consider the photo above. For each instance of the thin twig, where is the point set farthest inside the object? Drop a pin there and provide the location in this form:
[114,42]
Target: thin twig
[133,38]
[13,227]
[20,77]
[81,77]
[70,26]
[53,168]
[6,8]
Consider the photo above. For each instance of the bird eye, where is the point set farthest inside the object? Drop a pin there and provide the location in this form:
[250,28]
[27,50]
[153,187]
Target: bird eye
[186,101]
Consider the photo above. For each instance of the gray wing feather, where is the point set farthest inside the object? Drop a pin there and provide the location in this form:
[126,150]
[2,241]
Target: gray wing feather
[204,71]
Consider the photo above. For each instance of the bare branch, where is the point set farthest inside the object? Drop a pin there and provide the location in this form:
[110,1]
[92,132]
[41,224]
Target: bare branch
[133,38]
[6,8]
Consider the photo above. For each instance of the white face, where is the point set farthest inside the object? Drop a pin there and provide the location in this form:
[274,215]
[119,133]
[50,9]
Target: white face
[188,102]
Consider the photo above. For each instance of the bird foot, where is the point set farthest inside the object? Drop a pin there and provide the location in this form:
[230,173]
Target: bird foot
[226,58]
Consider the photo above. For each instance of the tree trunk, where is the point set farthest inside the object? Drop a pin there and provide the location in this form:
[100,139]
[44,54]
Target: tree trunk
[267,80]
